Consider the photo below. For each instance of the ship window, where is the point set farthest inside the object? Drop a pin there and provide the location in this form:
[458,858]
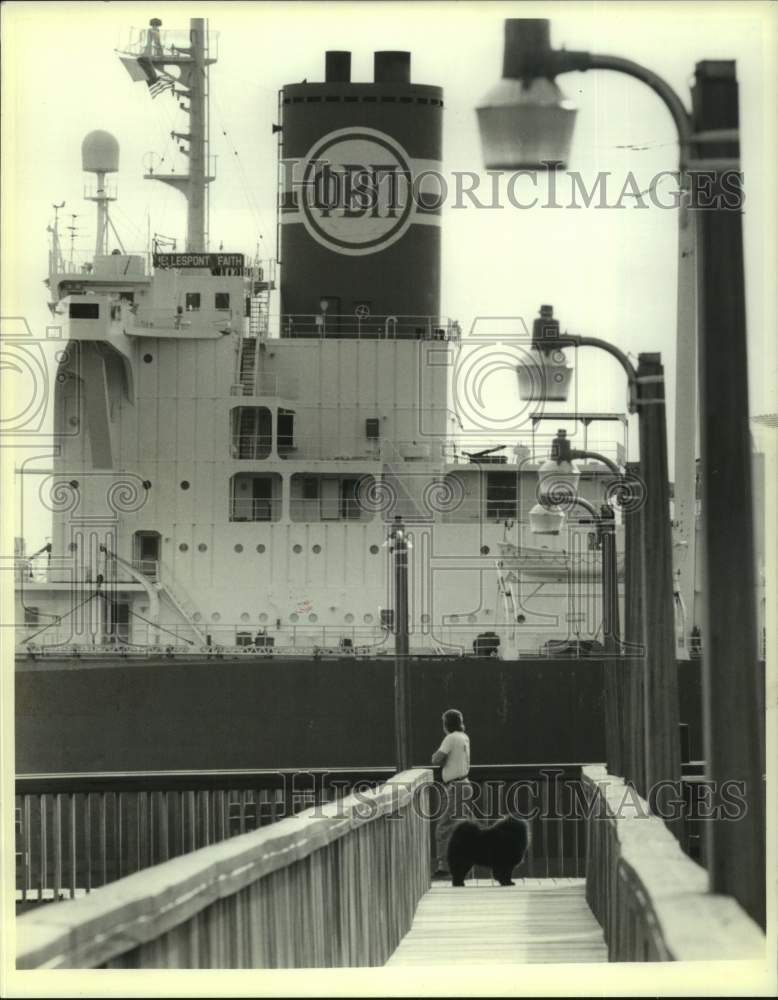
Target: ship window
[285,431]
[349,503]
[84,310]
[192,301]
[221,300]
[117,621]
[329,497]
[255,497]
[502,501]
[252,432]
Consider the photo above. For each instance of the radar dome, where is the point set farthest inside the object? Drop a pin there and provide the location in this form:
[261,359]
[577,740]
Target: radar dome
[100,153]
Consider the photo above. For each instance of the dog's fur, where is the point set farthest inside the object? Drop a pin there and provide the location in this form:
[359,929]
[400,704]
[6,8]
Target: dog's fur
[500,847]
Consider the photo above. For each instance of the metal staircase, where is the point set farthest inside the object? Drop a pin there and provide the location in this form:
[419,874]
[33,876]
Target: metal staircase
[179,599]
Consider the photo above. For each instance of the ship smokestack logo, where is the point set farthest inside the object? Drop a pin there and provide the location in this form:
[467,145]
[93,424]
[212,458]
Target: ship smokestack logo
[357,191]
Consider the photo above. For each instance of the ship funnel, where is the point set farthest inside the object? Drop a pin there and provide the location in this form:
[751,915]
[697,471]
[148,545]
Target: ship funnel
[100,153]
[392,67]
[337,67]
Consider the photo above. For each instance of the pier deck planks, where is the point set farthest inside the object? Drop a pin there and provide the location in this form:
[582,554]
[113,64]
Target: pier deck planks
[537,920]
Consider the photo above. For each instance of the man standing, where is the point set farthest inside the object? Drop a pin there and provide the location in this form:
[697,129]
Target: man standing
[454,756]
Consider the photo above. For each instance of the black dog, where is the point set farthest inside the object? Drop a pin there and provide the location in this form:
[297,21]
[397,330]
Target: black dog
[500,847]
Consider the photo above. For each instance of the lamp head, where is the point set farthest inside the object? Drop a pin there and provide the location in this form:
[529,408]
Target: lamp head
[525,121]
[547,377]
[556,492]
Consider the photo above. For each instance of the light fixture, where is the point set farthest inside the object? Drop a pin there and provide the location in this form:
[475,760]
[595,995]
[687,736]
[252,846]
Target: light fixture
[547,379]
[525,121]
[557,489]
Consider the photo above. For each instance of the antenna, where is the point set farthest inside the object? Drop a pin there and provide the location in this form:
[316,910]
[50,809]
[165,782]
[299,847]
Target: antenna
[100,156]
[151,60]
[73,229]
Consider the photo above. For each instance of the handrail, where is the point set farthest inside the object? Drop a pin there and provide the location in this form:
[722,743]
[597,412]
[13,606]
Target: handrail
[653,901]
[144,919]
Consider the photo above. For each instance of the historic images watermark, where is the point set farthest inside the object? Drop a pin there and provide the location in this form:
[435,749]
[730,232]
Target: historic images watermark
[357,191]
[547,797]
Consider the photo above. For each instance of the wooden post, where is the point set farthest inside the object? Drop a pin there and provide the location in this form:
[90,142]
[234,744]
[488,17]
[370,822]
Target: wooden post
[401,678]
[663,759]
[733,748]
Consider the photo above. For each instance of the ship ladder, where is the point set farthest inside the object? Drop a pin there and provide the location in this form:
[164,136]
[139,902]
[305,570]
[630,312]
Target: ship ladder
[248,360]
[181,601]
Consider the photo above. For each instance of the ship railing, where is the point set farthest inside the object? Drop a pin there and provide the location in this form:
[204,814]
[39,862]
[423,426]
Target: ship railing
[168,318]
[248,509]
[530,451]
[148,567]
[266,384]
[66,571]
[82,263]
[378,327]
[139,42]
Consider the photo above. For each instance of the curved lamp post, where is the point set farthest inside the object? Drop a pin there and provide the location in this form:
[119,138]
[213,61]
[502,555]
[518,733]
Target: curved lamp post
[399,545]
[558,479]
[526,122]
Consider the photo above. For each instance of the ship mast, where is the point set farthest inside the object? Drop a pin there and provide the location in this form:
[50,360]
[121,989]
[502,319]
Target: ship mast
[154,61]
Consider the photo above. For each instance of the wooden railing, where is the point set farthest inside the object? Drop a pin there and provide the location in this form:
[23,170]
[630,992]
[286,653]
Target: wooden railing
[651,899]
[77,832]
[335,885]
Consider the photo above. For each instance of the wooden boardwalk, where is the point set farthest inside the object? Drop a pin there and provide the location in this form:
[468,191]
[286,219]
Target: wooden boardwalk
[537,920]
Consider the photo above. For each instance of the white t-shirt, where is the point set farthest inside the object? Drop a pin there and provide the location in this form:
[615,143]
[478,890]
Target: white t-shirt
[456,746]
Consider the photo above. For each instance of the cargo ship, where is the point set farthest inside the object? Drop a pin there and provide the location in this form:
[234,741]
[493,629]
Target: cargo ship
[238,438]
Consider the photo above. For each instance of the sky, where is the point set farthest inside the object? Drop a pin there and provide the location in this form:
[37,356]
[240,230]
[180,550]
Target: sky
[609,273]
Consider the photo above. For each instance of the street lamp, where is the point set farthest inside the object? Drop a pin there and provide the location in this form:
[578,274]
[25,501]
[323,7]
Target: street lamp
[557,493]
[661,751]
[399,545]
[712,252]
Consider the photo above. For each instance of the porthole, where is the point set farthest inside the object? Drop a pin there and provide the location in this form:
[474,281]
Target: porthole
[294,617]
[183,547]
[184,484]
[216,617]
[349,618]
[317,549]
[367,619]
[260,549]
[520,619]
[197,617]
[297,548]
[313,619]
[484,550]
[245,617]
[148,358]
[202,547]
[374,550]
[238,547]
[263,618]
